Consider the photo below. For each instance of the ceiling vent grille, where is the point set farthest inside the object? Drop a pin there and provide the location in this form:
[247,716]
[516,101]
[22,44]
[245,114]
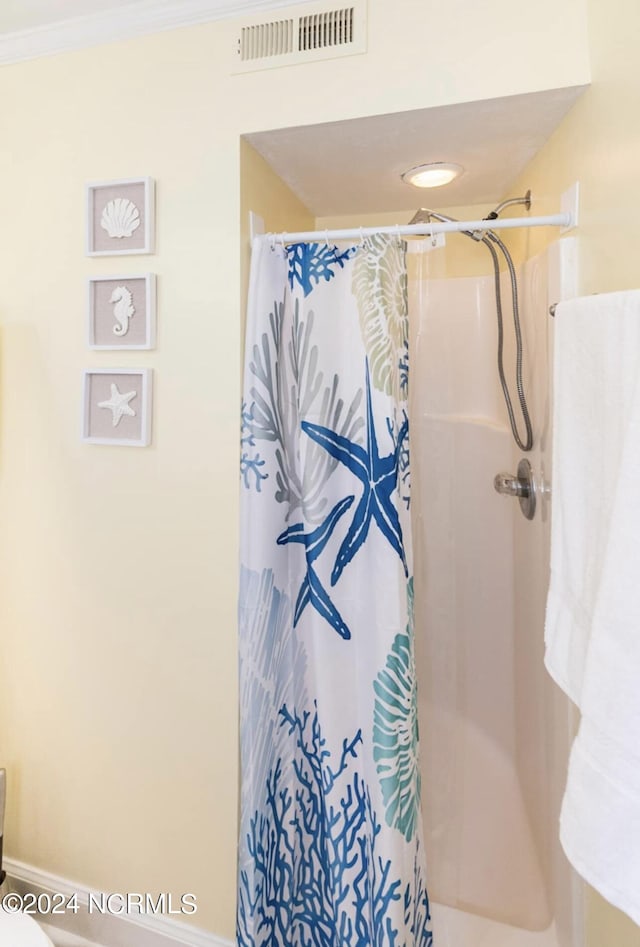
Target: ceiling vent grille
[326,29]
[325,33]
[267,39]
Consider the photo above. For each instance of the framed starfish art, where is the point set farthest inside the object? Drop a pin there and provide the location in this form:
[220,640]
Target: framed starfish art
[116,406]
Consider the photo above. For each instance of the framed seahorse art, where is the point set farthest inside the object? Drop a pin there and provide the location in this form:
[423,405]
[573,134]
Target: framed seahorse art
[120,217]
[121,312]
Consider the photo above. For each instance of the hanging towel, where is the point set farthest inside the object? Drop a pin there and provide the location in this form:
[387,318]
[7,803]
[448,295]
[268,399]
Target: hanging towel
[592,632]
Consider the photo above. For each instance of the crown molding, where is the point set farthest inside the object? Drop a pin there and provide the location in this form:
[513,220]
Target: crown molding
[136,19]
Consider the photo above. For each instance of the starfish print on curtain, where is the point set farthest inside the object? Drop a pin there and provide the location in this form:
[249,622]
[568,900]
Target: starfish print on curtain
[312,589]
[379,478]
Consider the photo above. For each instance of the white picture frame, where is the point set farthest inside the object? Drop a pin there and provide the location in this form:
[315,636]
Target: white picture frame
[127,394]
[120,217]
[121,312]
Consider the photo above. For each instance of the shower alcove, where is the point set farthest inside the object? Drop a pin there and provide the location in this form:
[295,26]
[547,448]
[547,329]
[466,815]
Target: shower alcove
[494,730]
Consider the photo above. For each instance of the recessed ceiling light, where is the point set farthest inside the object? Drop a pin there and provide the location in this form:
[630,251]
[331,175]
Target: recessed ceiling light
[434,174]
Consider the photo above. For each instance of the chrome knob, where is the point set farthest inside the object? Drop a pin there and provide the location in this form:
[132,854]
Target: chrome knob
[522,486]
[510,486]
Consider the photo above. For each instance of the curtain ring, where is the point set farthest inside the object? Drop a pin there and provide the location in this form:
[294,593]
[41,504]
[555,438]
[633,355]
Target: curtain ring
[272,241]
[326,238]
[361,237]
[282,238]
[431,234]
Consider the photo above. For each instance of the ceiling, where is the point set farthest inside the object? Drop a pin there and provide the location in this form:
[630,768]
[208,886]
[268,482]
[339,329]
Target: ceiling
[354,167]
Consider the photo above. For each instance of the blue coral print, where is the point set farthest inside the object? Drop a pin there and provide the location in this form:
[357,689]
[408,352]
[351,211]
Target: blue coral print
[311,262]
[317,877]
[250,461]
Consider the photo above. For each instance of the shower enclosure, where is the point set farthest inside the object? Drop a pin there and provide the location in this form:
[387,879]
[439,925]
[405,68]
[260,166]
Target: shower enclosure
[494,730]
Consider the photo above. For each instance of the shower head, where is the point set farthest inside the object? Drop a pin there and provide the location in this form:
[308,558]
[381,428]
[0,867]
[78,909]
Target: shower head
[423,216]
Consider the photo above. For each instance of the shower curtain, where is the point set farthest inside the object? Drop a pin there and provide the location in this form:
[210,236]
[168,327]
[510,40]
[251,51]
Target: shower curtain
[330,848]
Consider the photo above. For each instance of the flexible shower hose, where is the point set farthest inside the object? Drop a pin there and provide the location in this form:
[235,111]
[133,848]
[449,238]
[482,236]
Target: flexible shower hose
[489,239]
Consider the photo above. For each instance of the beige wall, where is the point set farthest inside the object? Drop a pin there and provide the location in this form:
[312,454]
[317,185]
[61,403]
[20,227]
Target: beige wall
[265,194]
[607,926]
[598,145]
[118,566]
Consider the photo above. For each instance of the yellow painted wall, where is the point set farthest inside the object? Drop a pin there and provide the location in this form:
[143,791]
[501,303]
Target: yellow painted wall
[606,925]
[118,566]
[598,145]
[266,194]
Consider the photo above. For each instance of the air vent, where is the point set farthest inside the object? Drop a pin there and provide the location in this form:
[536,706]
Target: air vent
[325,33]
[326,29]
[267,39]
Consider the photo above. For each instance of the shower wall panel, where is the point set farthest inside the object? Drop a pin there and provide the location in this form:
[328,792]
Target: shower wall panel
[494,734]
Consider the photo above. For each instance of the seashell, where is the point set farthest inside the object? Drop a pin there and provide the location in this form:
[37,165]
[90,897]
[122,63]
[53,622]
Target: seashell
[120,217]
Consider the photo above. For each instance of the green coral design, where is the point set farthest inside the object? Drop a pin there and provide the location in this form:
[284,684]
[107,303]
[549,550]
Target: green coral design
[395,732]
[379,284]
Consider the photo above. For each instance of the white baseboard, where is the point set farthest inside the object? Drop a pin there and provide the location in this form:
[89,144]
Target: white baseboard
[106,930]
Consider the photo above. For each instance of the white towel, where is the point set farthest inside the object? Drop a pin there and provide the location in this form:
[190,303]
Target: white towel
[592,632]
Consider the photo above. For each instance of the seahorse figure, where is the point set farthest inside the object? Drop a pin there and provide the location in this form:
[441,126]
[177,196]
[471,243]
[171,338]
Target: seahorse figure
[123,309]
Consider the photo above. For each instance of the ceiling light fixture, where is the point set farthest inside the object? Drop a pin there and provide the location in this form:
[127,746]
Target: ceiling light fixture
[434,174]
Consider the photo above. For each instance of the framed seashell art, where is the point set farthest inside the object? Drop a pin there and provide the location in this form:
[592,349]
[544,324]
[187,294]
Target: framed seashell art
[121,217]
[116,406]
[121,312]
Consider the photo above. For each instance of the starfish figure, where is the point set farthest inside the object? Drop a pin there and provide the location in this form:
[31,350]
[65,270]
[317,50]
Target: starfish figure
[378,475]
[312,591]
[119,404]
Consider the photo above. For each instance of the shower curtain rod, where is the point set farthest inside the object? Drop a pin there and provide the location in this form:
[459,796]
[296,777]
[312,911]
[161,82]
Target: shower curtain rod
[422,229]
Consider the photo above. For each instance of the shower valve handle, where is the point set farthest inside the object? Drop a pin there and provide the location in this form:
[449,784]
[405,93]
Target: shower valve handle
[511,486]
[522,486]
